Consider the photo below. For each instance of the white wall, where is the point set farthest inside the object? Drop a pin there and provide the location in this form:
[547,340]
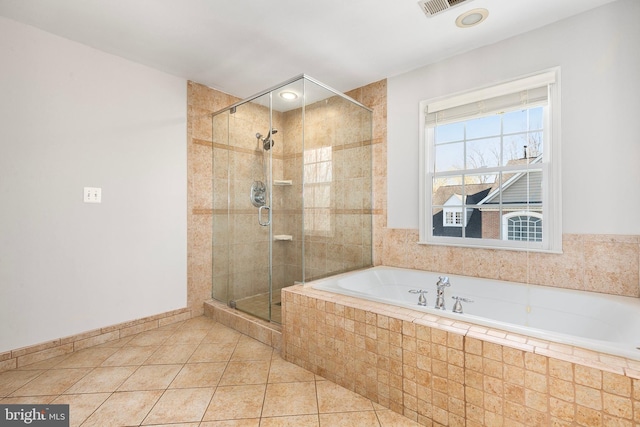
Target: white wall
[70,117]
[599,56]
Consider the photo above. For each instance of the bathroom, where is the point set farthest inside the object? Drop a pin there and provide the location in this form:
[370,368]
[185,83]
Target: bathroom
[595,50]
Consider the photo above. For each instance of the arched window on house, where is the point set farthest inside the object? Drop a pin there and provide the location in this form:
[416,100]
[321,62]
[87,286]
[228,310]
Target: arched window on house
[522,226]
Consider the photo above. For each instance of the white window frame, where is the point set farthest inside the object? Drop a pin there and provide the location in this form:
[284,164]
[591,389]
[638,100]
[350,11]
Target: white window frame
[552,207]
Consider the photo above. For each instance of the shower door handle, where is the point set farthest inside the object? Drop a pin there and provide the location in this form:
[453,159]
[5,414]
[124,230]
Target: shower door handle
[268,221]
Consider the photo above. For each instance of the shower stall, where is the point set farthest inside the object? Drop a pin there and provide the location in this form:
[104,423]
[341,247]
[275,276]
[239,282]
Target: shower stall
[292,192]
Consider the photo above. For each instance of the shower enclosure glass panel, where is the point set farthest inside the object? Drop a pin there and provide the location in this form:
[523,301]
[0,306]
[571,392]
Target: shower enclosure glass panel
[291,193]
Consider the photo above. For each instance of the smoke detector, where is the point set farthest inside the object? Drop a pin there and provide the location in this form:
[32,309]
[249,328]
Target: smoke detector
[434,7]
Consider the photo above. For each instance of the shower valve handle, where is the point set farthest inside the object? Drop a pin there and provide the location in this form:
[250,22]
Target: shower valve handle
[260,221]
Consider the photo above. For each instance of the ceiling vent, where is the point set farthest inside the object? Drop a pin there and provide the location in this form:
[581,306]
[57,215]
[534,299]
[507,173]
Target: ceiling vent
[434,7]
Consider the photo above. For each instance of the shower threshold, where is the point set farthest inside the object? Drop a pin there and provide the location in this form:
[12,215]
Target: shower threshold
[258,306]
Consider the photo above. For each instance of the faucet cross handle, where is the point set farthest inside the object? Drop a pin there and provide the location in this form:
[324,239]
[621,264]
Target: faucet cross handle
[422,300]
[457,307]
[443,281]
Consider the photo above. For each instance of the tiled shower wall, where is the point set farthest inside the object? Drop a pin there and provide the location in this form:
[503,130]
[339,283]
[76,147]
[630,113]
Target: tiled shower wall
[336,163]
[335,124]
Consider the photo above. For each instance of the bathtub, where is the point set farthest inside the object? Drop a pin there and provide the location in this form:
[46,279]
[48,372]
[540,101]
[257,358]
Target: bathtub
[603,323]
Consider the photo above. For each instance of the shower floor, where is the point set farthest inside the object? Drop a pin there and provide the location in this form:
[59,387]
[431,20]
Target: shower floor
[258,305]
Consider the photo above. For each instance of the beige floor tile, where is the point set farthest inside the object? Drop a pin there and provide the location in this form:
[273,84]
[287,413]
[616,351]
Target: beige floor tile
[200,322]
[31,400]
[130,356]
[187,336]
[44,364]
[180,405]
[282,371]
[102,380]
[349,419]
[124,409]
[10,381]
[213,352]
[81,405]
[119,343]
[199,375]
[151,377]
[290,399]
[52,382]
[88,358]
[222,335]
[334,398]
[250,349]
[248,422]
[389,418]
[190,371]
[178,425]
[235,402]
[167,354]
[291,421]
[246,372]
[154,337]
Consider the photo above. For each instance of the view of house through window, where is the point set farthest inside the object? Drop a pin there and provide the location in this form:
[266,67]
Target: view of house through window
[487,168]
[464,149]
[317,191]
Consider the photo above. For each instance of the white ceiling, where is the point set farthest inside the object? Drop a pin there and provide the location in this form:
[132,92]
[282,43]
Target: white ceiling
[245,46]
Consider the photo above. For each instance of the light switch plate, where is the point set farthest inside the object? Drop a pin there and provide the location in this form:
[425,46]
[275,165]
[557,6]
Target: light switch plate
[92,195]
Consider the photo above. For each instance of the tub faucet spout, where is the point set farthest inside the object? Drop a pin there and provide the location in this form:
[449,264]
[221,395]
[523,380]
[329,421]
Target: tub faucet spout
[443,282]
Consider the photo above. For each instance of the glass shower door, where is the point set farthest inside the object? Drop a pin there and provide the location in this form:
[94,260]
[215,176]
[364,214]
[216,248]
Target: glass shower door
[292,183]
[251,138]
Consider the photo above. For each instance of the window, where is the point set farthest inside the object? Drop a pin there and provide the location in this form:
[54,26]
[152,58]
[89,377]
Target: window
[522,226]
[453,218]
[317,191]
[490,169]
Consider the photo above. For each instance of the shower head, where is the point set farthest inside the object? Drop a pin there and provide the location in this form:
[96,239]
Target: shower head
[267,142]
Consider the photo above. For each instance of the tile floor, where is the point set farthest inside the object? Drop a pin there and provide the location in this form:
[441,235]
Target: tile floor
[194,373]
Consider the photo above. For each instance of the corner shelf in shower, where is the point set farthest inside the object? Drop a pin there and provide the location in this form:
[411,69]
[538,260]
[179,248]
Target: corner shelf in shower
[282,237]
[282,182]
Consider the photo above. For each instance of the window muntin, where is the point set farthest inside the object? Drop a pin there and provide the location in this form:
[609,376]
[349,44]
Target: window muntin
[498,160]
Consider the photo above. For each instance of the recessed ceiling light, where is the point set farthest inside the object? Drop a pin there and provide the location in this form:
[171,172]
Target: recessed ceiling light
[471,18]
[289,96]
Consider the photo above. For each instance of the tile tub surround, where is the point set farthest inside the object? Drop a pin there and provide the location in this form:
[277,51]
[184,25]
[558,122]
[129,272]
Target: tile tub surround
[440,372]
[590,262]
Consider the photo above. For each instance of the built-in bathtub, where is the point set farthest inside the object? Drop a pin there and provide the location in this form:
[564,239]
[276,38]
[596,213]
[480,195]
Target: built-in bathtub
[519,355]
[599,322]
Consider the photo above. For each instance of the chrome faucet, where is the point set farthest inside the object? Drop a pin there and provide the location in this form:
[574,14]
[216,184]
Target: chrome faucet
[422,300]
[457,307]
[443,282]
